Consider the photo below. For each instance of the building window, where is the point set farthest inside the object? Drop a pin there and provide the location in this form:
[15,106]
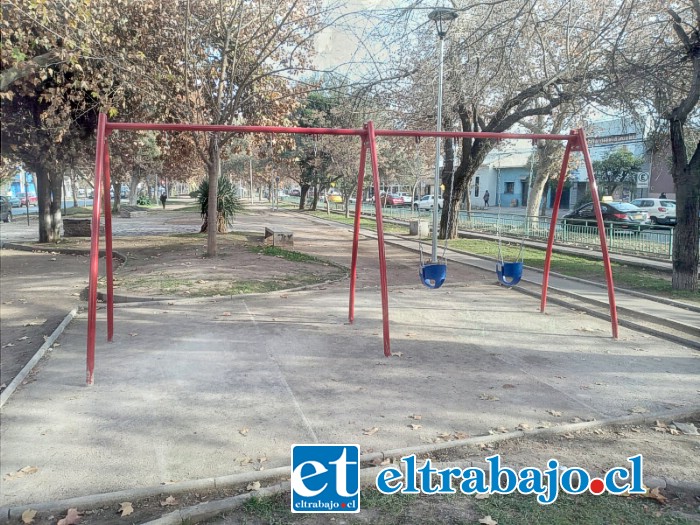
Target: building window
[510,187]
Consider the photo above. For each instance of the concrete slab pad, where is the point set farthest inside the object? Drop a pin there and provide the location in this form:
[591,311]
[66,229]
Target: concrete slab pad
[181,382]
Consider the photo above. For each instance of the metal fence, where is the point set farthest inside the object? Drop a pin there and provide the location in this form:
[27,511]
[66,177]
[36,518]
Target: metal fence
[647,242]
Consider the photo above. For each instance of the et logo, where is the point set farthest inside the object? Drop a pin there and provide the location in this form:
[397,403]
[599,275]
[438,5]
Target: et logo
[325,478]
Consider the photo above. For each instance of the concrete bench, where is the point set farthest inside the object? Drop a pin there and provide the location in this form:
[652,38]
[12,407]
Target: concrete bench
[279,236]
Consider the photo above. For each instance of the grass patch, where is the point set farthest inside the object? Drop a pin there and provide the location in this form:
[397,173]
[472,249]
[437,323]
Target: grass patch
[575,510]
[78,211]
[289,255]
[638,278]
[513,509]
[370,224]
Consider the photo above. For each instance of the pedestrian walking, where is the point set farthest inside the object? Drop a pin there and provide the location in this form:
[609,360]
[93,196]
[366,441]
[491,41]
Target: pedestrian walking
[663,195]
[486,199]
[163,198]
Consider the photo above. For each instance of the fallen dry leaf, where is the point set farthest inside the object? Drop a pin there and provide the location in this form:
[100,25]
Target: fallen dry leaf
[522,427]
[461,435]
[28,516]
[255,485]
[134,334]
[414,426]
[655,494]
[72,517]
[416,417]
[488,520]
[226,314]
[25,471]
[482,496]
[126,508]
[24,338]
[244,431]
[170,500]
[555,413]
[370,431]
[379,462]
[397,354]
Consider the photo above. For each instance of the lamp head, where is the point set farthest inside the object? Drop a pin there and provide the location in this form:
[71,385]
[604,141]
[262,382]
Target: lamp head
[443,17]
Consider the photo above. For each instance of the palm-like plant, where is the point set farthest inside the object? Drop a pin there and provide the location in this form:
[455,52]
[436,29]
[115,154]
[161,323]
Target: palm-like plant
[227,205]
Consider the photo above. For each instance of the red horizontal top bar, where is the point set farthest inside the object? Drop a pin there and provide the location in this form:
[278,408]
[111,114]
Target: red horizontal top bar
[331,131]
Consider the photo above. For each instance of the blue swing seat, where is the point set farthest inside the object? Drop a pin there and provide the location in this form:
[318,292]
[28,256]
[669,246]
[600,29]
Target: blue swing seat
[433,275]
[509,273]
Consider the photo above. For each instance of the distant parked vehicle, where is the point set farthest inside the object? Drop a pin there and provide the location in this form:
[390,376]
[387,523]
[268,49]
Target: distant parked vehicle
[14,201]
[23,199]
[661,211]
[394,199]
[426,203]
[407,198]
[295,193]
[621,215]
[5,209]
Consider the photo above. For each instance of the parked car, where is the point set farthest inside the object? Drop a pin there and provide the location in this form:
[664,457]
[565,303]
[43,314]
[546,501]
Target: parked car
[5,209]
[394,199]
[426,203]
[622,215]
[295,193]
[407,198]
[23,199]
[661,211]
[14,201]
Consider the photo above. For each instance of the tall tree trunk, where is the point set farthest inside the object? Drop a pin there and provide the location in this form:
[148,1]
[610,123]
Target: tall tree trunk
[55,206]
[302,197]
[49,192]
[213,172]
[133,188]
[686,177]
[74,187]
[117,197]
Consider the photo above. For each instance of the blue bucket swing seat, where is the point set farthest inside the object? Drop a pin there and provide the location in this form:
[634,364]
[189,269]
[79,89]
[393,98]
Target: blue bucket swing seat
[509,273]
[433,275]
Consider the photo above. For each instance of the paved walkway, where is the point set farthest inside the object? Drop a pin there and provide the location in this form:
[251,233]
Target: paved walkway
[192,389]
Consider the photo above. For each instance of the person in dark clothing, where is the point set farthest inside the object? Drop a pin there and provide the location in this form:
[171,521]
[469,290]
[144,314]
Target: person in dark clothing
[486,199]
[163,198]
[662,196]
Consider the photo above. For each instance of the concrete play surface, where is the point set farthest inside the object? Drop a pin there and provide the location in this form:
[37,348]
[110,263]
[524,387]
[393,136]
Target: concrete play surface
[200,388]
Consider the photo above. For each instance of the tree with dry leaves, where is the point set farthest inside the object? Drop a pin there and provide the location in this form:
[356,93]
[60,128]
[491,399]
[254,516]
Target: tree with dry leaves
[655,70]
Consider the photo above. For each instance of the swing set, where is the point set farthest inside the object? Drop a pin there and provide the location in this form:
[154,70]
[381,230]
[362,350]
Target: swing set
[434,274]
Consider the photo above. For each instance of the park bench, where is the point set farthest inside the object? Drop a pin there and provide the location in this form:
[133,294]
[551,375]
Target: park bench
[279,236]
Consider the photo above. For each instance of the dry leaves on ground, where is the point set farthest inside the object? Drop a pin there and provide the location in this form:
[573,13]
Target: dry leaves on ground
[25,471]
[416,417]
[413,426]
[255,485]
[125,508]
[169,501]
[244,431]
[488,520]
[370,431]
[28,516]
[655,494]
[72,517]
[555,413]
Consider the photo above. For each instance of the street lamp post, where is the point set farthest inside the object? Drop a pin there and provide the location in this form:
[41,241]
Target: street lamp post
[443,17]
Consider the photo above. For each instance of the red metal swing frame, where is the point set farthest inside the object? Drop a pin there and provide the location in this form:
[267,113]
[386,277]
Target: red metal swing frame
[575,141]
